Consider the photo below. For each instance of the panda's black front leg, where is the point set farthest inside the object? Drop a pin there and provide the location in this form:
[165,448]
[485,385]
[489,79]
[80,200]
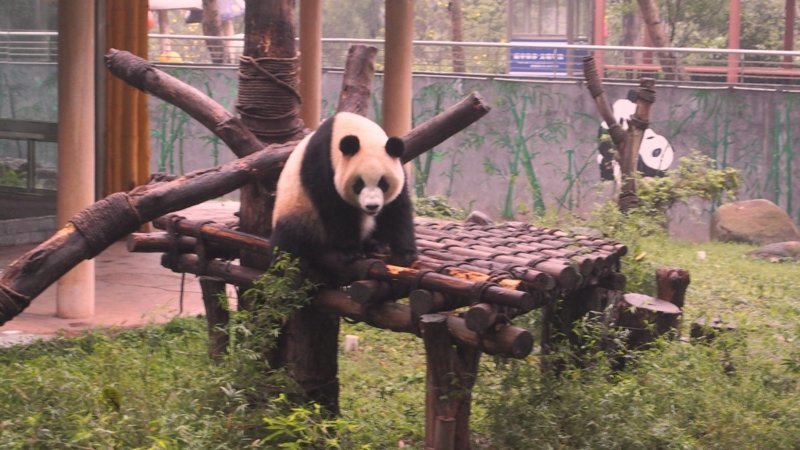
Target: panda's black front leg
[395,226]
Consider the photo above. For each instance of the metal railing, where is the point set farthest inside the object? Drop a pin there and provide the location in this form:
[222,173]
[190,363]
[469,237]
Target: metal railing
[530,59]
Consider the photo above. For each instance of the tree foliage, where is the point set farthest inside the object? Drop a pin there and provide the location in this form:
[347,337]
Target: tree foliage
[704,23]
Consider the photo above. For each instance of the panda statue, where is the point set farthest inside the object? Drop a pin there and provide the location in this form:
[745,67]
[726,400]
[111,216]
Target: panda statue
[343,192]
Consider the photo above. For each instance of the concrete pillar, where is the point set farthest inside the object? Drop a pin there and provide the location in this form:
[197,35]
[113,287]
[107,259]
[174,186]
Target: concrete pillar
[397,92]
[734,29]
[311,62]
[76,149]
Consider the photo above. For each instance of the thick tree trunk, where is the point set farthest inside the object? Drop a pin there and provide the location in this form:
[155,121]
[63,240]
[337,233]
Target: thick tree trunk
[669,61]
[631,28]
[457,20]
[212,26]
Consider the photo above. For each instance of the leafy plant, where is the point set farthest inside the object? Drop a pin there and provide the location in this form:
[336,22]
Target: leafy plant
[437,207]
[695,176]
[255,327]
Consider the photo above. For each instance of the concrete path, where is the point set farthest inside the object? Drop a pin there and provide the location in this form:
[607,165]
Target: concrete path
[132,289]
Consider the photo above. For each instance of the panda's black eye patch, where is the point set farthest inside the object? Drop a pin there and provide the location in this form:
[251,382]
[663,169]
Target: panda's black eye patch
[349,145]
[358,186]
[383,184]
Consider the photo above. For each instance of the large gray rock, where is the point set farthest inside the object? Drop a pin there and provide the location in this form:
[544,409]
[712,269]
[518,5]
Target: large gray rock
[753,221]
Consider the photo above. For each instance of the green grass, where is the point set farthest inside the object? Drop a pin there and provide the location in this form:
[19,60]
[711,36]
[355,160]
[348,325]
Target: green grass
[156,387]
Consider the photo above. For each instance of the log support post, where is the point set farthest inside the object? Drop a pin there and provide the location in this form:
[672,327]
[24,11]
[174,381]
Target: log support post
[559,318]
[217,316]
[637,125]
[451,373]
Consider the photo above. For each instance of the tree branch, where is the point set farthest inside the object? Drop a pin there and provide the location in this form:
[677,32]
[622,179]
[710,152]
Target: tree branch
[142,75]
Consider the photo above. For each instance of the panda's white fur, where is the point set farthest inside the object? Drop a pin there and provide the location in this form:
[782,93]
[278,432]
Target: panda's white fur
[342,184]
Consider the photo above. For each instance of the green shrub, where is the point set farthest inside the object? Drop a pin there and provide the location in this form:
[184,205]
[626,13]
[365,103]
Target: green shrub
[438,208]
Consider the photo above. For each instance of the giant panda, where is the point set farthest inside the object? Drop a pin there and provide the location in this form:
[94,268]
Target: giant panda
[343,191]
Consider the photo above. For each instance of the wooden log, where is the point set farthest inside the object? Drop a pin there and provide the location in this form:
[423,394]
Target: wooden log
[672,283]
[586,264]
[639,313]
[359,71]
[509,341]
[374,291]
[232,273]
[143,75]
[217,316]
[489,292]
[638,123]
[436,130]
[480,317]
[444,434]
[159,243]
[424,301]
[215,233]
[532,278]
[451,374]
[564,273]
[503,280]
[595,86]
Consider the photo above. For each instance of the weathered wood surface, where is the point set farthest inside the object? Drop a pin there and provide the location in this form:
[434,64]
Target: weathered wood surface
[451,374]
[359,71]
[598,93]
[638,123]
[95,228]
[445,124]
[217,316]
[672,283]
[640,314]
[143,75]
[510,341]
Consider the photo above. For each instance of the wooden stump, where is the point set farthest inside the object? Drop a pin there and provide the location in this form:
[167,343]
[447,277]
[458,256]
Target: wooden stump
[641,315]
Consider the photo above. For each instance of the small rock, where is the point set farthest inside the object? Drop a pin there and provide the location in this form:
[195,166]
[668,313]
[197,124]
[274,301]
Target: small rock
[478,218]
[350,343]
[588,232]
[782,250]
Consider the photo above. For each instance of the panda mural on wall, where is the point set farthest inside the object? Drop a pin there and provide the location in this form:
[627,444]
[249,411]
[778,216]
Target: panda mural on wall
[655,152]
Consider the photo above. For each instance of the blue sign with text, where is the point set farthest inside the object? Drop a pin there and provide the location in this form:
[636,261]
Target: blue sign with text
[541,61]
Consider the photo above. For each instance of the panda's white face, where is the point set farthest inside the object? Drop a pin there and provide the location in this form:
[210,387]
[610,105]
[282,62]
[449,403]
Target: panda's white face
[368,172]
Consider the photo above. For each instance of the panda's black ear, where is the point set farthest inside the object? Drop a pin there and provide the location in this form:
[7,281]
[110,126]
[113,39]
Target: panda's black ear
[395,147]
[349,145]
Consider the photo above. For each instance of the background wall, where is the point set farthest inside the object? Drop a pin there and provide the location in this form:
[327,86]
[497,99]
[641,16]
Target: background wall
[536,150]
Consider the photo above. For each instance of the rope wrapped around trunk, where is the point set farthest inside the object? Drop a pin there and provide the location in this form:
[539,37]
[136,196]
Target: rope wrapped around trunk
[268,99]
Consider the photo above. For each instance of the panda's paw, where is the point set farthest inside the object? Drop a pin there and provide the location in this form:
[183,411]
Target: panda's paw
[351,256]
[402,259]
